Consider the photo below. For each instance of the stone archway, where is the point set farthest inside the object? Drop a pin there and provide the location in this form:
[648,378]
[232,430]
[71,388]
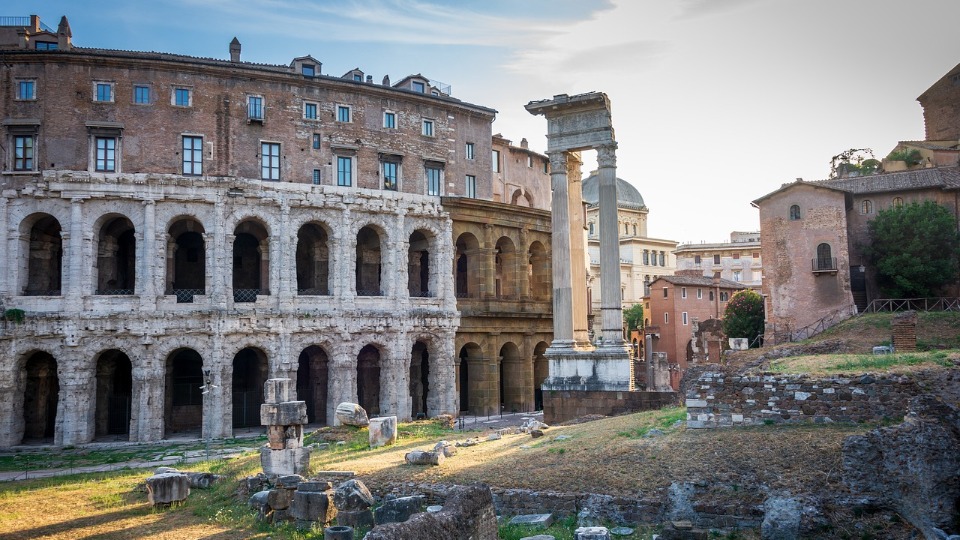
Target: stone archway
[469,376]
[369,262]
[515,392]
[541,371]
[44,250]
[251,262]
[419,379]
[418,264]
[313,260]
[467,270]
[41,395]
[114,392]
[183,403]
[312,379]
[368,379]
[116,257]
[249,374]
[186,260]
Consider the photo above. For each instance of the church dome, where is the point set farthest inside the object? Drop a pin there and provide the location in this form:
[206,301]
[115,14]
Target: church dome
[627,195]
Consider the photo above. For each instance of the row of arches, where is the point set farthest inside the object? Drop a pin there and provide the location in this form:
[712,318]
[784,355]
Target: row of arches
[503,271]
[117,253]
[507,382]
[113,394]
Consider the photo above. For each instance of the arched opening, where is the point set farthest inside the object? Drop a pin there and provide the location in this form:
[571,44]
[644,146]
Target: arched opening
[418,265]
[183,409]
[312,374]
[419,377]
[521,198]
[45,257]
[116,257]
[513,384]
[186,260]
[824,258]
[251,262]
[313,260]
[368,379]
[114,390]
[471,356]
[467,268]
[539,272]
[249,374]
[794,212]
[506,268]
[368,262]
[541,371]
[41,394]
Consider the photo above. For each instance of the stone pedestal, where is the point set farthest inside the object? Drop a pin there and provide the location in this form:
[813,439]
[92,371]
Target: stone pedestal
[284,453]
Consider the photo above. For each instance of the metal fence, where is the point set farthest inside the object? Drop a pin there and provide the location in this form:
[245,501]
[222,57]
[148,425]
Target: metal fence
[915,304]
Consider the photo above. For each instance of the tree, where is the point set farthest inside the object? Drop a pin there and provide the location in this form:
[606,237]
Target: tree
[743,316]
[633,316]
[915,249]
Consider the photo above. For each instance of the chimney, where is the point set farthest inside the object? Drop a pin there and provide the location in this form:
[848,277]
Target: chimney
[64,35]
[369,79]
[235,50]
[523,143]
[34,24]
[386,80]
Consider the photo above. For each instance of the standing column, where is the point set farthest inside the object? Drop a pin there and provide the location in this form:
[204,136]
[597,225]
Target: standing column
[611,306]
[578,252]
[560,245]
[488,263]
[74,281]
[146,276]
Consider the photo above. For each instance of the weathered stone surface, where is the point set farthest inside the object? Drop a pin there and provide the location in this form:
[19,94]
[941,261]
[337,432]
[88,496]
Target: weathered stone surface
[591,533]
[313,506]
[352,495]
[541,521]
[447,449]
[280,499]
[289,481]
[277,390]
[284,462]
[781,518]
[355,518]
[420,457]
[913,468]
[539,537]
[314,486]
[258,501]
[283,414]
[352,414]
[399,509]
[167,488]
[383,431]
[467,513]
[338,532]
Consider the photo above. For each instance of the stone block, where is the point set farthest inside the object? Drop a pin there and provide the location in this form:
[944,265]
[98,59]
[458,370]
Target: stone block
[352,495]
[591,533]
[355,518]
[444,447]
[283,414]
[280,499]
[420,457]
[167,488]
[277,390]
[313,506]
[314,486]
[399,509]
[351,414]
[284,462]
[289,481]
[539,521]
[383,431]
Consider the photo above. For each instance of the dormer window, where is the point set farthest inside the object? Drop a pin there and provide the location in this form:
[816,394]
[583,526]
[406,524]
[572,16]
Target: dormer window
[358,77]
[418,86]
[308,70]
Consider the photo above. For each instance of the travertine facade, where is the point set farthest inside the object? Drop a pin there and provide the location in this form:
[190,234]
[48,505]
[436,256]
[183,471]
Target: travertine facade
[173,222]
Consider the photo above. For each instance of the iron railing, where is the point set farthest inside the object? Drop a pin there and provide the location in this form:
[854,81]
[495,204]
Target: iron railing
[786,335]
[245,295]
[421,294]
[369,292]
[114,292]
[313,291]
[826,264]
[185,296]
[47,292]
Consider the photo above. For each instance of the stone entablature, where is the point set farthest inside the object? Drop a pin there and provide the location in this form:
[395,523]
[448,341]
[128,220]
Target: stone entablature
[721,399]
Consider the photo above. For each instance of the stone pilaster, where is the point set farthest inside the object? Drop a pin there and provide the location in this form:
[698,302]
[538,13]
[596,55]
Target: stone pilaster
[75,401]
[146,281]
[6,263]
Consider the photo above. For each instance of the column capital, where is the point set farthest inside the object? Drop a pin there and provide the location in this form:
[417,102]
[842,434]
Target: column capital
[558,162]
[607,155]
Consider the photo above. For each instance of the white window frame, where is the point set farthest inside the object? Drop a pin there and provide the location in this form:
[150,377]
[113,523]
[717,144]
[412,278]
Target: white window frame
[496,161]
[349,113]
[33,89]
[30,161]
[316,110]
[383,174]
[95,157]
[666,317]
[470,151]
[393,116]
[428,127]
[110,88]
[270,166]
[426,180]
[196,166]
[685,318]
[470,184]
[173,96]
[149,90]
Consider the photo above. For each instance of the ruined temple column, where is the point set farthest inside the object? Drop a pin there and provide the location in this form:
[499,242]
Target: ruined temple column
[611,305]
[560,242]
[578,250]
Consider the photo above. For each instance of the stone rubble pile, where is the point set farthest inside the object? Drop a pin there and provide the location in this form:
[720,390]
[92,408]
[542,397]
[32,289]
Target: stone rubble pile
[169,486]
[284,453]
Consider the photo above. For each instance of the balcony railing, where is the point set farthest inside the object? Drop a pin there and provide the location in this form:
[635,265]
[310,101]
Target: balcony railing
[369,292]
[114,292]
[185,296]
[37,292]
[313,291]
[824,264]
[245,295]
[422,294]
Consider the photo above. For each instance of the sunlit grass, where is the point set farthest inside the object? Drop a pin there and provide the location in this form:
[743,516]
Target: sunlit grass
[859,363]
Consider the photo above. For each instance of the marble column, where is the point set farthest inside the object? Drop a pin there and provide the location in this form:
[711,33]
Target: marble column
[560,241]
[611,306]
[578,251]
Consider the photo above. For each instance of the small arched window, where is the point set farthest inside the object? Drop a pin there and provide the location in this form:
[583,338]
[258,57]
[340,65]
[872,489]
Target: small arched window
[591,228]
[824,259]
[866,207]
[898,202]
[794,212]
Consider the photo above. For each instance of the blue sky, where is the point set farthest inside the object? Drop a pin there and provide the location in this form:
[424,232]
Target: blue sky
[715,102]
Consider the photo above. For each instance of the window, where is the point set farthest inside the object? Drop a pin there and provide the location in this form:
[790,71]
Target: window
[23,153]
[736,256]
[666,318]
[427,127]
[646,256]
[358,77]
[794,212]
[103,92]
[496,161]
[141,95]
[26,90]
[471,186]
[683,292]
[711,296]
[724,296]
[433,180]
[663,259]
[315,144]
[697,261]
[684,317]
[530,161]
[866,207]
[270,161]
[665,293]
[736,275]
[546,168]
[344,171]
[106,156]
[626,229]
[634,229]
[255,108]
[590,225]
[469,150]
[824,260]
[310,111]
[391,170]
[308,70]
[418,86]
[192,155]
[716,259]
[46,46]
[897,202]
[343,113]
[699,294]
[316,177]
[390,120]
[182,97]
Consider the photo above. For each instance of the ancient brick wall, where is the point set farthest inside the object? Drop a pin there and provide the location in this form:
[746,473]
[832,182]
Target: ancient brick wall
[722,400]
[559,407]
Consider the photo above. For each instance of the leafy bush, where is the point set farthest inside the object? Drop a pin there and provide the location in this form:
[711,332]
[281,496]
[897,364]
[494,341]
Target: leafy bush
[743,316]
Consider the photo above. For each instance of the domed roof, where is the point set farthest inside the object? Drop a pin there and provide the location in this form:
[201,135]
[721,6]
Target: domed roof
[627,195]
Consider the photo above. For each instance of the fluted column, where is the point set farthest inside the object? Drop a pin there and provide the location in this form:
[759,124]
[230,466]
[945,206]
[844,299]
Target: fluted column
[560,242]
[611,307]
[578,253]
